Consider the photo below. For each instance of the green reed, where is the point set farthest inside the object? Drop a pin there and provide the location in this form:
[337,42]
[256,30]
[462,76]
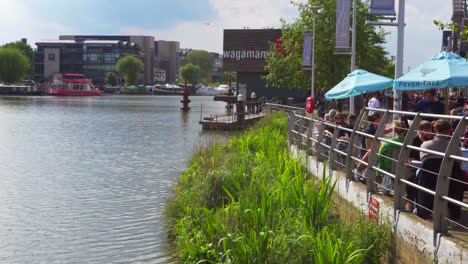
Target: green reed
[249,201]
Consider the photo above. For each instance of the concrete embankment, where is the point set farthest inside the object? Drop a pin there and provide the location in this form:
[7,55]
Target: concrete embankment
[412,239]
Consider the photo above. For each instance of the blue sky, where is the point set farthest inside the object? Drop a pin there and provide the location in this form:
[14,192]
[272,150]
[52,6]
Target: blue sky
[106,16]
[196,24]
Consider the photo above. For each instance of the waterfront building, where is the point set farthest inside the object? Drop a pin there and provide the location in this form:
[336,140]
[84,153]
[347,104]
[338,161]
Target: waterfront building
[93,58]
[217,72]
[167,60]
[244,52]
[144,43]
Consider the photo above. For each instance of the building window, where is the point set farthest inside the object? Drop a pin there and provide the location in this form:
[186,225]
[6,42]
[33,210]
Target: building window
[51,56]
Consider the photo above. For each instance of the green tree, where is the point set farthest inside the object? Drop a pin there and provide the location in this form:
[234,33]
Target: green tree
[111,79]
[285,66]
[13,65]
[225,77]
[26,50]
[130,67]
[204,60]
[193,72]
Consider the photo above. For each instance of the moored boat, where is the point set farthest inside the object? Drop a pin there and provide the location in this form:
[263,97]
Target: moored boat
[167,89]
[70,84]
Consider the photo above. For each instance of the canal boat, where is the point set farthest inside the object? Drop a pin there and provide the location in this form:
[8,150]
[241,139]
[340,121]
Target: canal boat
[70,84]
[168,89]
[19,89]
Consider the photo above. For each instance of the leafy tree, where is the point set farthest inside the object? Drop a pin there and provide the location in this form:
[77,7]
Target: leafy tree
[225,77]
[13,65]
[193,72]
[130,67]
[111,79]
[285,66]
[204,60]
[26,50]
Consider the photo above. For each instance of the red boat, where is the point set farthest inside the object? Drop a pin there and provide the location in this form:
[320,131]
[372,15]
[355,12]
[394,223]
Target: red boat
[71,84]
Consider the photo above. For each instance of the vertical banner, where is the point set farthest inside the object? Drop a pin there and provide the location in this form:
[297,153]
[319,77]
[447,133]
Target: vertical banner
[382,7]
[342,24]
[307,52]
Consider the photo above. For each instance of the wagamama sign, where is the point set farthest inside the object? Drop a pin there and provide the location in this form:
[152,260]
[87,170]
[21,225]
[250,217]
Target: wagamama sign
[245,50]
[249,54]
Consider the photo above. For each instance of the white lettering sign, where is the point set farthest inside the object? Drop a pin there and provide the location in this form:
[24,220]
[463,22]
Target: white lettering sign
[250,54]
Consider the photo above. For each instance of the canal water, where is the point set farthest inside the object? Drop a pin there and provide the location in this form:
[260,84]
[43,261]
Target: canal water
[85,179]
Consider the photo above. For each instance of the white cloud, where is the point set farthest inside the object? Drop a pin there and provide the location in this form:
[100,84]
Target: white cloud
[208,35]
[18,21]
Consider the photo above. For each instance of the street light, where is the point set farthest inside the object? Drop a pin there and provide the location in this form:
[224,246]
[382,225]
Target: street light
[314,10]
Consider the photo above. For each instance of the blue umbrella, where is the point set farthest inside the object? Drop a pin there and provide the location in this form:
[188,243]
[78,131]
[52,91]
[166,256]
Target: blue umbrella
[445,69]
[357,82]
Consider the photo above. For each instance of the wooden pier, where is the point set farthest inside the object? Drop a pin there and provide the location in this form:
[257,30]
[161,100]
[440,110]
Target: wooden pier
[228,123]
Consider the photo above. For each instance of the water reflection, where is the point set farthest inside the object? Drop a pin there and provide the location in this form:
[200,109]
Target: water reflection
[85,179]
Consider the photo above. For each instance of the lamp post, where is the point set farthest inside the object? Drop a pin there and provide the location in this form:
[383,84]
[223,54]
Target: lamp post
[315,10]
[352,106]
[399,60]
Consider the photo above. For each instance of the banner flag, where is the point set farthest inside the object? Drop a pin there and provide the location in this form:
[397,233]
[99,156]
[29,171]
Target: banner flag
[382,7]
[342,24]
[307,52]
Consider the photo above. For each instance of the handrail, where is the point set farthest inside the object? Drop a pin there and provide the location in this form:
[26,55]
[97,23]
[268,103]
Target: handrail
[314,140]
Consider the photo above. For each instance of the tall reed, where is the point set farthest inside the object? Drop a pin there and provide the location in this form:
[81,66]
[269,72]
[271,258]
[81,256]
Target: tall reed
[249,201]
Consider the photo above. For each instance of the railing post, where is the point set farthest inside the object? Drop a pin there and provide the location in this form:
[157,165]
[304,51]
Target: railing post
[310,134]
[371,176]
[319,141]
[332,153]
[297,124]
[443,182]
[399,188]
[291,121]
[300,131]
[352,139]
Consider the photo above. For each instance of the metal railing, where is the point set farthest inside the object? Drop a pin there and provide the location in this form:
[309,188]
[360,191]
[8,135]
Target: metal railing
[310,134]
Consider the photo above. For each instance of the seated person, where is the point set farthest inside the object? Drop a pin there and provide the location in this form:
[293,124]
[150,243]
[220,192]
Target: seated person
[386,149]
[424,134]
[384,160]
[339,121]
[444,131]
[430,104]
[439,143]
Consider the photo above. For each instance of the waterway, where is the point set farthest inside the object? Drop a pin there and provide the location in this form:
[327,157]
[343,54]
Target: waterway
[85,179]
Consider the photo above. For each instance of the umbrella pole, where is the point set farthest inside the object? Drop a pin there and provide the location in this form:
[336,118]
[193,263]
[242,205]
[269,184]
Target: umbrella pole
[363,101]
[446,100]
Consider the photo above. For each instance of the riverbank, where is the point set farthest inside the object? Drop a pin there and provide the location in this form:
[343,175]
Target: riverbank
[249,201]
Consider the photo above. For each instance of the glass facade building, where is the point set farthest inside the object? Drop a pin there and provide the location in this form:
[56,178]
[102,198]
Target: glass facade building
[93,58]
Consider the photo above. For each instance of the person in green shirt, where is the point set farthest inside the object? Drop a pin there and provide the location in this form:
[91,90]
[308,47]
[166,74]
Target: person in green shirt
[384,159]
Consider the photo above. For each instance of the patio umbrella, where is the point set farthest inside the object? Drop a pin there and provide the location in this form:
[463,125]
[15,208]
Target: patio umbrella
[357,82]
[445,69]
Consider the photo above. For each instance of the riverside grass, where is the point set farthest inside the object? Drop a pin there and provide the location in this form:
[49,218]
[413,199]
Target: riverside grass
[249,201]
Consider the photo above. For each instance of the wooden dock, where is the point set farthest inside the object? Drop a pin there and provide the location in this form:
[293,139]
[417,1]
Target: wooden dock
[228,123]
